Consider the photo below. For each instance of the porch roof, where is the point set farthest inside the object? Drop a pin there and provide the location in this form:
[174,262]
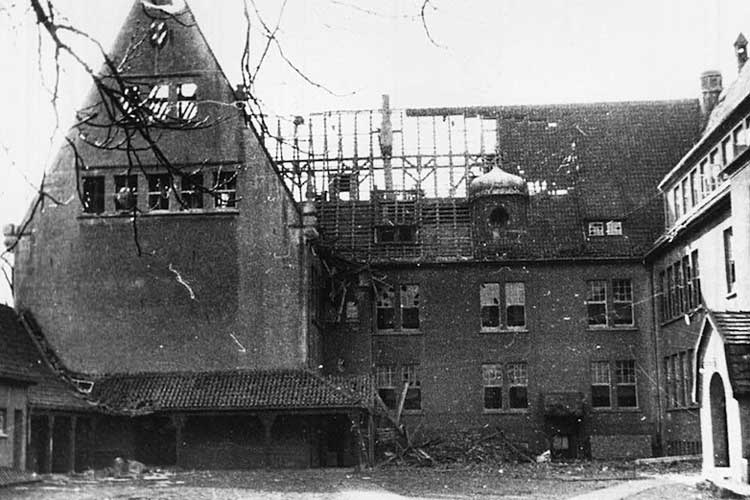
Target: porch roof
[734,329]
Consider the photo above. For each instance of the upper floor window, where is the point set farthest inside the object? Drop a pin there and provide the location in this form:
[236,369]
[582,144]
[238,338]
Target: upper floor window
[225,189]
[729,260]
[396,234]
[492,380]
[598,303]
[159,187]
[158,101]
[192,190]
[408,310]
[605,228]
[622,291]
[126,192]
[518,380]
[391,381]
[187,107]
[93,194]
[511,315]
[600,385]
[626,388]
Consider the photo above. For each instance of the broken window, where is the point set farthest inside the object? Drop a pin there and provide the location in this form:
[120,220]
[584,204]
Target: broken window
[93,194]
[596,302]
[187,105]
[622,292]
[729,260]
[517,382]
[396,234]
[192,191]
[131,102]
[158,101]
[158,33]
[410,376]
[409,307]
[492,379]
[626,392]
[614,228]
[386,313]
[225,189]
[126,192]
[515,304]
[159,186]
[384,376]
[600,384]
[489,298]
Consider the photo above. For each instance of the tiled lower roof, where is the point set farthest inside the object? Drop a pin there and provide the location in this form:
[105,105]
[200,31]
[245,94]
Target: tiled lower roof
[734,328]
[229,390]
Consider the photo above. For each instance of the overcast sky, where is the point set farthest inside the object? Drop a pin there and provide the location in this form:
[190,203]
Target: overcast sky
[490,52]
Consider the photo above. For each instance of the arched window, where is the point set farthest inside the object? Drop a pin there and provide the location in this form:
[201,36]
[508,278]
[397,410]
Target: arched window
[498,217]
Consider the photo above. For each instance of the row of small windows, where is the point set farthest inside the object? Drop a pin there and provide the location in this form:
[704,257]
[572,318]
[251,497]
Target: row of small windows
[503,306]
[705,178]
[678,377]
[680,287]
[164,192]
[505,385]
[605,228]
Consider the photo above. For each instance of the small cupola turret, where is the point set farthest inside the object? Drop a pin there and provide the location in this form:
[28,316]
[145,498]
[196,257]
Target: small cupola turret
[499,204]
[740,50]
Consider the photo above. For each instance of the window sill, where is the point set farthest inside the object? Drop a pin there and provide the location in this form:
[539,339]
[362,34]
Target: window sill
[624,328]
[398,333]
[616,410]
[505,411]
[161,213]
[503,330]
[683,408]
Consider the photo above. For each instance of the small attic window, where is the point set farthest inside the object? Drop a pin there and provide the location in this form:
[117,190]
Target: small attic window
[158,33]
[605,228]
[498,217]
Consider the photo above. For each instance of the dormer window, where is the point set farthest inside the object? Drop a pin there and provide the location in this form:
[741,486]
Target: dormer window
[605,228]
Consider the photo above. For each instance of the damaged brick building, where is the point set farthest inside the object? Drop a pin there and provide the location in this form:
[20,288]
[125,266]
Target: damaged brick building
[257,302]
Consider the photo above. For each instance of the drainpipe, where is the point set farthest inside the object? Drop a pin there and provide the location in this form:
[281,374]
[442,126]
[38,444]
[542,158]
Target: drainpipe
[655,340]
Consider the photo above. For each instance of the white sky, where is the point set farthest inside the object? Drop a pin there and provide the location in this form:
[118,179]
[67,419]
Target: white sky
[491,52]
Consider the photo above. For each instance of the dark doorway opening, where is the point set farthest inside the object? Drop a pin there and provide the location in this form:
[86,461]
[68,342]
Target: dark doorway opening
[19,431]
[719,429]
[37,456]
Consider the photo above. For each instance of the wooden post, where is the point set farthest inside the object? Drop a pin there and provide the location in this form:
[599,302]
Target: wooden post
[72,444]
[179,423]
[267,421]
[371,439]
[50,444]
[354,417]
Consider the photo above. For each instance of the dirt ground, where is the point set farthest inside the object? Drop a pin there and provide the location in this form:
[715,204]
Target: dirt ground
[588,480]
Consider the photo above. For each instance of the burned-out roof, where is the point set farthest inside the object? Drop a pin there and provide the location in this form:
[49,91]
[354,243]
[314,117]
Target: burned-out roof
[21,359]
[229,390]
[598,162]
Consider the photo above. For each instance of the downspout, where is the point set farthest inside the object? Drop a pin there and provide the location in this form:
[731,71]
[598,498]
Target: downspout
[655,340]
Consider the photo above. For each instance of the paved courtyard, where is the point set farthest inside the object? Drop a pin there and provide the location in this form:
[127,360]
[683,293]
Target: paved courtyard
[584,482]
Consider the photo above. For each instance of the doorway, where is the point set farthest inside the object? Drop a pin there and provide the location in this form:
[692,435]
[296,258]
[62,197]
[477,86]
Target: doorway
[719,431]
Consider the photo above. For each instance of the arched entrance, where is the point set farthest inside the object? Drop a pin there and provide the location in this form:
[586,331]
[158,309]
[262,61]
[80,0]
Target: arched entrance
[719,432]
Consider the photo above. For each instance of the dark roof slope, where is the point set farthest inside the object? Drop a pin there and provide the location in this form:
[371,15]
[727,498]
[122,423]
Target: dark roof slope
[228,390]
[19,357]
[734,328]
[605,161]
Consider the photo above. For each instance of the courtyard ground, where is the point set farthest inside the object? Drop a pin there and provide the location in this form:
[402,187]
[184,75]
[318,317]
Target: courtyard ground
[589,481]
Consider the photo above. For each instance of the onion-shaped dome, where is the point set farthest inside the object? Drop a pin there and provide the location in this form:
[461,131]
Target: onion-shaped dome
[497,181]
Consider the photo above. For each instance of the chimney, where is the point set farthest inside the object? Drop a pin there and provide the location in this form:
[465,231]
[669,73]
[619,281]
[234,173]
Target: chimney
[740,50]
[711,89]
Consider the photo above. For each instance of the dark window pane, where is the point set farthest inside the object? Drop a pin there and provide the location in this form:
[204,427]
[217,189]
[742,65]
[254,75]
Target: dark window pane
[597,314]
[385,318]
[490,316]
[623,314]
[413,399]
[389,397]
[386,234]
[225,189]
[516,316]
[158,191]
[517,396]
[407,234]
[626,396]
[410,317]
[126,189]
[600,396]
[192,194]
[493,398]
[93,194]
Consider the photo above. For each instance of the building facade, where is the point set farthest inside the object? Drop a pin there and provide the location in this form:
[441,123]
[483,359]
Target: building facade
[700,270]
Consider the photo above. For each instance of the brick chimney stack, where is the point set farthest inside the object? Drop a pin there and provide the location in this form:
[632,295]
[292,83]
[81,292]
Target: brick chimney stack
[740,50]
[711,89]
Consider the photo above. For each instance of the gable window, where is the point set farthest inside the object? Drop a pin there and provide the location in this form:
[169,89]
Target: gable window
[126,192]
[192,190]
[729,260]
[600,385]
[93,194]
[159,186]
[622,291]
[158,101]
[187,107]
[596,302]
[225,189]
[626,389]
[492,380]
[489,308]
[409,307]
[517,383]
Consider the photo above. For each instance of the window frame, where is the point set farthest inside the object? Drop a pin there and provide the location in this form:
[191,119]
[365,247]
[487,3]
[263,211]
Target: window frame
[589,301]
[619,384]
[729,261]
[398,295]
[192,191]
[493,383]
[131,182]
[626,302]
[595,382]
[93,202]
[159,187]
[224,189]
[514,383]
